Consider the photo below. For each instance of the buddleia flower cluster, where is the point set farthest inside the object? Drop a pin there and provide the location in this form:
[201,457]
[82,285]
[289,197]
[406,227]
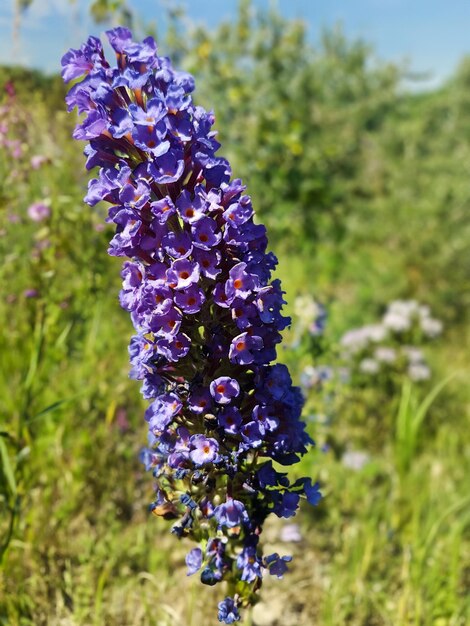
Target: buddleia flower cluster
[207,316]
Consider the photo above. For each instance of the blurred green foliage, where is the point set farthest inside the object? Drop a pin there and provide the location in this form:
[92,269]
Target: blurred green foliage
[333,149]
[101,11]
[365,190]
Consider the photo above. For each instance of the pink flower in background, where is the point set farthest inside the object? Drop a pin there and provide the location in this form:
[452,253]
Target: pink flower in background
[15,148]
[31,293]
[38,160]
[38,211]
[121,420]
[10,89]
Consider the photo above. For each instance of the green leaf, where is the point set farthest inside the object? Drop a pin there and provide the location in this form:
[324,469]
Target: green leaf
[49,409]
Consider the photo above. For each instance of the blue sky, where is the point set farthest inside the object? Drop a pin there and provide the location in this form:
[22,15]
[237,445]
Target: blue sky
[431,34]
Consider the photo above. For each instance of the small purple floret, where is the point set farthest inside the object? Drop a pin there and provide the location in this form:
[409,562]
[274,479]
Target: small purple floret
[231,513]
[224,388]
[228,612]
[204,449]
[277,565]
[193,561]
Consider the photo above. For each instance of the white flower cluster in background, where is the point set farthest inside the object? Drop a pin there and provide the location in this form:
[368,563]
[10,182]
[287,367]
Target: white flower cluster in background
[402,314]
[358,339]
[390,344]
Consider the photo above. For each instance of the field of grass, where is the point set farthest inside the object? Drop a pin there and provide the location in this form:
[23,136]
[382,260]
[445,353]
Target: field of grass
[366,192]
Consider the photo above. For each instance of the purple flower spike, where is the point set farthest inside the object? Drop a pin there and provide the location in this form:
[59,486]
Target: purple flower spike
[207,315]
[224,388]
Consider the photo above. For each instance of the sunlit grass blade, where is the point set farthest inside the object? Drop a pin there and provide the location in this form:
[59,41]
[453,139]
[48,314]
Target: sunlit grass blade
[7,468]
[409,420]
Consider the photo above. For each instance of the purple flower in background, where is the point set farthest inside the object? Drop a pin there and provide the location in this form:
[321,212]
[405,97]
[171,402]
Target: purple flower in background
[290,533]
[31,293]
[38,160]
[38,211]
[207,315]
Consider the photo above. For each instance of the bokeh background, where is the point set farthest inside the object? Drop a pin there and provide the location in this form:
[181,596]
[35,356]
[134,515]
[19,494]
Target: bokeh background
[350,124]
